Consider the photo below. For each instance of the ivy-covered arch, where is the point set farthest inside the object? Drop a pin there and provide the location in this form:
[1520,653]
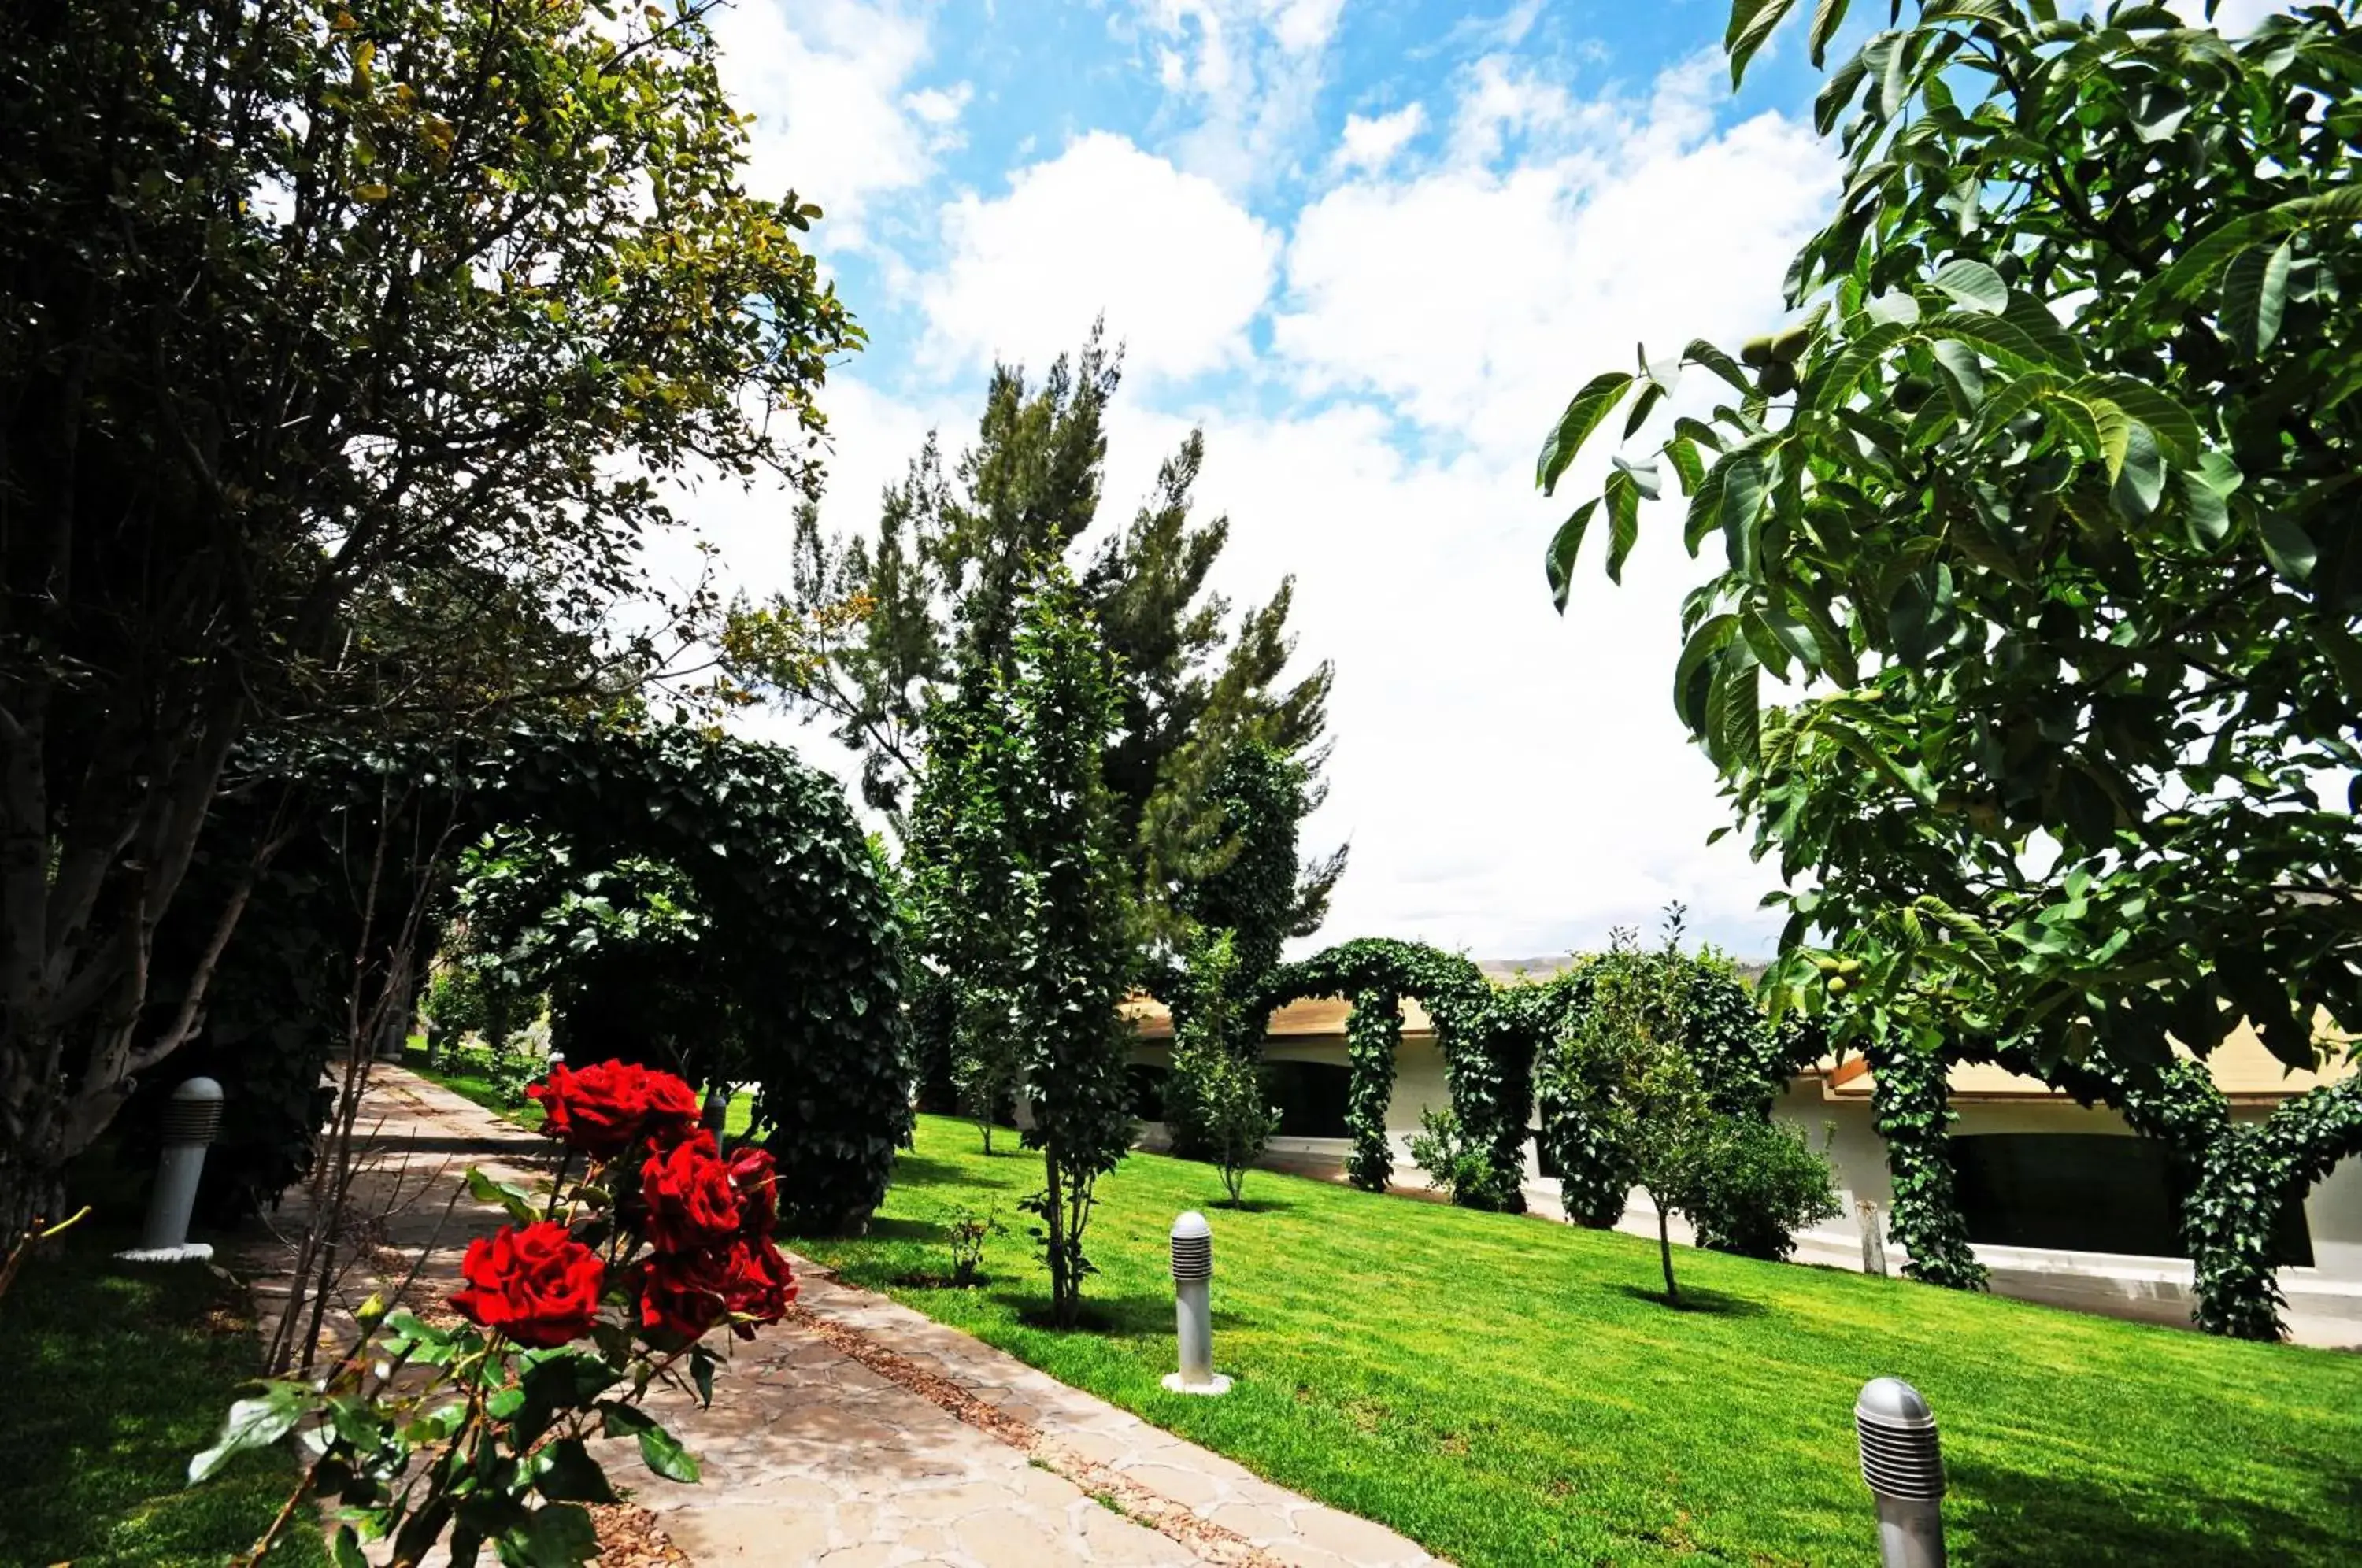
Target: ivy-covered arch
[1486,1067]
[801,930]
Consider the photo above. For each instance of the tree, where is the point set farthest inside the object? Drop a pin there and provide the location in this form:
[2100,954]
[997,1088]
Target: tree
[874,635]
[1237,919]
[973,894]
[1642,1094]
[327,338]
[2041,497]
[1656,1109]
[1078,944]
[1216,1088]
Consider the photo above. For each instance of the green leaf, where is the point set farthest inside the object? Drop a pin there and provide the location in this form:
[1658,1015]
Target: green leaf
[1962,373]
[2188,277]
[564,1378]
[1642,406]
[1752,22]
[1837,92]
[1623,497]
[1687,465]
[568,1475]
[559,1535]
[346,1547]
[255,1423]
[659,1448]
[1734,712]
[1564,546]
[1828,16]
[2288,548]
[2115,432]
[1747,480]
[2255,296]
[1597,399]
[1838,378]
[2158,111]
[1998,336]
[1694,673]
[1974,286]
[519,1203]
[2205,510]
[1701,352]
[2176,431]
[2139,485]
[1705,508]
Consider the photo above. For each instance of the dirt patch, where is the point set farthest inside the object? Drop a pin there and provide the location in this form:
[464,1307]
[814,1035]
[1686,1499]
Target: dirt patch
[629,1538]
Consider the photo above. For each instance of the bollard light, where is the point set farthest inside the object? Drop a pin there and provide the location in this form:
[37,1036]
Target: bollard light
[717,1111]
[1903,1464]
[1193,1273]
[190,1122]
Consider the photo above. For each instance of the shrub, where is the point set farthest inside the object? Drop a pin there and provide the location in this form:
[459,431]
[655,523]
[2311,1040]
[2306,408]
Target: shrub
[1456,1160]
[1757,1185]
[1215,1101]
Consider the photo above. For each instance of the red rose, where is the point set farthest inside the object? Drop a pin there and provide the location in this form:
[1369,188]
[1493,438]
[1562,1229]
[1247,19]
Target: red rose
[688,1293]
[538,1285]
[753,1173]
[608,1106]
[691,1201]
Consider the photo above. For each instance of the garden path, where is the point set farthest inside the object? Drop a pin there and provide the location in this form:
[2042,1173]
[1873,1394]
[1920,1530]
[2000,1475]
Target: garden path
[857,1433]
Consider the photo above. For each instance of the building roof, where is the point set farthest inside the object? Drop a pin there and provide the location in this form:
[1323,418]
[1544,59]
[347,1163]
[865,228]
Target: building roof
[2244,1070]
[1314,1018]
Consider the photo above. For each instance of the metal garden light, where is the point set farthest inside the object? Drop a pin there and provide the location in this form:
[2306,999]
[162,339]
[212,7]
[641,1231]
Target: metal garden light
[189,1123]
[1193,1273]
[1904,1466]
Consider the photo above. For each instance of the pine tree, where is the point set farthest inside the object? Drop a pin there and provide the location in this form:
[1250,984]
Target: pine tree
[873,630]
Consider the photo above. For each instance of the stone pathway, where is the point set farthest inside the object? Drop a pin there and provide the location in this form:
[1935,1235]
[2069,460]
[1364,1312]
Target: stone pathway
[861,1433]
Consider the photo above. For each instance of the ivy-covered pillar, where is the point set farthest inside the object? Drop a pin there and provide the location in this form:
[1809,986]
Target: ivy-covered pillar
[1911,1106]
[1373,1038]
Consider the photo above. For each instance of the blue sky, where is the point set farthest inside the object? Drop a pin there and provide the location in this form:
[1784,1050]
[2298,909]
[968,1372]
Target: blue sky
[1370,248]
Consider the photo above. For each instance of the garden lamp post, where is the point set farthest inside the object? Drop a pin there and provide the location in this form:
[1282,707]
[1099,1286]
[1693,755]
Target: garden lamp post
[1903,1464]
[1193,1273]
[190,1122]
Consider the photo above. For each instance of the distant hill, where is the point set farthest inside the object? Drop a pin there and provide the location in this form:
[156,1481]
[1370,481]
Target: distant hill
[1536,971]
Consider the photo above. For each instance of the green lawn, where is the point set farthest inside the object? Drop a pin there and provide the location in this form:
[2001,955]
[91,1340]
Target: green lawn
[111,1376]
[1511,1392]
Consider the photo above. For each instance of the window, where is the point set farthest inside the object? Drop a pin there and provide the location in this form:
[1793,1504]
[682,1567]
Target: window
[1145,1080]
[1311,1097]
[2087,1192]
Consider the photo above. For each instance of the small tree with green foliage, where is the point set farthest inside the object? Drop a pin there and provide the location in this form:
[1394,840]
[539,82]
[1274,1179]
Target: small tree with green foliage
[973,894]
[1077,945]
[1216,1088]
[2044,497]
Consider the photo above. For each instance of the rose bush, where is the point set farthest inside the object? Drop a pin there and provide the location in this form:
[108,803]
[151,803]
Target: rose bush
[600,1289]
[610,1106]
[538,1285]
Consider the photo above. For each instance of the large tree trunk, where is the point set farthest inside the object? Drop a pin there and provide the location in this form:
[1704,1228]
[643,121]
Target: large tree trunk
[31,1193]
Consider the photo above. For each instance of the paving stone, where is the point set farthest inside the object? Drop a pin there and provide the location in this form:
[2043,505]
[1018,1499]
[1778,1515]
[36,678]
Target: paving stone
[1005,1538]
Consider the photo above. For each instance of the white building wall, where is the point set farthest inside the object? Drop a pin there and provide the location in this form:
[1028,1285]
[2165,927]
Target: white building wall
[2325,1302]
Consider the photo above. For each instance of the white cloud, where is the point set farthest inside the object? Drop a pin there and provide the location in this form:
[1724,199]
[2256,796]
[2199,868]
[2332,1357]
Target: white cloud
[1369,143]
[1476,296]
[1178,269]
[1247,72]
[836,118]
[1512,783]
